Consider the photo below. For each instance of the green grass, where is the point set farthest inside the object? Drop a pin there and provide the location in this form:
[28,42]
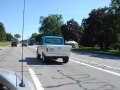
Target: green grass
[97,50]
[4,43]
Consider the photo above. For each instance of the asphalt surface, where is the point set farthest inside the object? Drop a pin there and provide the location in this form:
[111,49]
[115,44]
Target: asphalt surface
[84,71]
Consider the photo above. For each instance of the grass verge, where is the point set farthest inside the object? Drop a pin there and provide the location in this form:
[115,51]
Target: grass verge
[4,43]
[97,50]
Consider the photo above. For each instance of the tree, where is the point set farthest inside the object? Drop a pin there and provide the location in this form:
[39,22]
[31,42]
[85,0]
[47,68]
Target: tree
[34,35]
[2,32]
[51,25]
[115,5]
[38,38]
[115,15]
[9,36]
[17,36]
[71,30]
[96,29]
[115,9]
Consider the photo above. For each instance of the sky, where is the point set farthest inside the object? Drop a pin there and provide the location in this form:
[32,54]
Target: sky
[11,12]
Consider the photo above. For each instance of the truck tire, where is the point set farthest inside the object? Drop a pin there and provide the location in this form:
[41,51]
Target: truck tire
[65,59]
[38,55]
[44,58]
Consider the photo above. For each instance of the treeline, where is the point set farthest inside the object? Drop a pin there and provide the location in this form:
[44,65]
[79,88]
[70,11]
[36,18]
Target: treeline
[101,28]
[4,36]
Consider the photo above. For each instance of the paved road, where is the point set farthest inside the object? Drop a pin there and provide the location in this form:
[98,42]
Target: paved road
[85,71]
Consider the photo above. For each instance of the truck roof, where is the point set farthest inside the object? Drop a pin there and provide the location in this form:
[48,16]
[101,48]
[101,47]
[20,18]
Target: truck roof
[52,37]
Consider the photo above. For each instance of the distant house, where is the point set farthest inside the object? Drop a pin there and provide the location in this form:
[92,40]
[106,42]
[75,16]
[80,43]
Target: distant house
[72,43]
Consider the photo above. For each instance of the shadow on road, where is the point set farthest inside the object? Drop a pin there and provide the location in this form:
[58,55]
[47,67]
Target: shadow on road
[104,56]
[34,61]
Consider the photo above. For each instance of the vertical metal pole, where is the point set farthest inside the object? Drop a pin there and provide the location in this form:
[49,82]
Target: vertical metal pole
[22,83]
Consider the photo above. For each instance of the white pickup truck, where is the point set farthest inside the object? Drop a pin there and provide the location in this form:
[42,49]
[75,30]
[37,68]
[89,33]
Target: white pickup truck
[52,47]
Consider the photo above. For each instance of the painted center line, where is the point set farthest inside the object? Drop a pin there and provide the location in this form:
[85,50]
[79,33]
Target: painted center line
[108,71]
[36,81]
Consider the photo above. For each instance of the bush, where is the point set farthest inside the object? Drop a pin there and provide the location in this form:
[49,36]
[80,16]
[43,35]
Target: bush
[117,46]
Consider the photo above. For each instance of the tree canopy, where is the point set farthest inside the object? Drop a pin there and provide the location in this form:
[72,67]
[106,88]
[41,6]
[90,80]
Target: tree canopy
[51,25]
[95,31]
[71,30]
[17,36]
[34,35]
[9,36]
[2,32]
[115,5]
[114,14]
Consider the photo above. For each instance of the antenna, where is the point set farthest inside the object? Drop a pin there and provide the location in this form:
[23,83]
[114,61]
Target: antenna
[22,83]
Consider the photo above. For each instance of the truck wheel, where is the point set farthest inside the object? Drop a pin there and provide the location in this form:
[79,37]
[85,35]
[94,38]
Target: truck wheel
[38,55]
[44,58]
[65,60]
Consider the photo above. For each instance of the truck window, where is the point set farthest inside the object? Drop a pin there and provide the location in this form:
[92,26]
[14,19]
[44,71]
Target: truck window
[58,41]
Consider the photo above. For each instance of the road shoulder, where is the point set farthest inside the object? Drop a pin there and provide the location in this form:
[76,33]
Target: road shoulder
[3,47]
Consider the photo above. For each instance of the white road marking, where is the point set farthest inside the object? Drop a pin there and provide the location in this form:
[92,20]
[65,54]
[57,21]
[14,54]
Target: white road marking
[36,81]
[108,71]
[33,47]
[96,63]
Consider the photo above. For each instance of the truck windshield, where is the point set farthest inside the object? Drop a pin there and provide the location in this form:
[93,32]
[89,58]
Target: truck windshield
[57,41]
